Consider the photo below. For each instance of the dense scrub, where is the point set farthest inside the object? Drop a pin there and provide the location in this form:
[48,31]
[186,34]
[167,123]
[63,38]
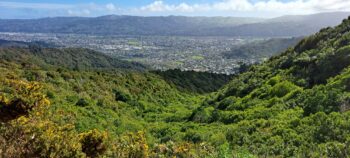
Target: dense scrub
[197,82]
[72,58]
[293,105]
[63,112]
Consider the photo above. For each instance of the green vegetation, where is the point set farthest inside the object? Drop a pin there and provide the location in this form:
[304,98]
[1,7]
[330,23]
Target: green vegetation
[293,105]
[261,48]
[71,58]
[88,112]
[197,57]
[191,81]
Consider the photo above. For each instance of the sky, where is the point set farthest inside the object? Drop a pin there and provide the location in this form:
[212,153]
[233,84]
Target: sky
[24,9]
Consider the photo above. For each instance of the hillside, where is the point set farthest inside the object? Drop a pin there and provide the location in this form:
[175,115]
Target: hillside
[295,104]
[72,58]
[299,25]
[292,26]
[191,81]
[7,43]
[63,105]
[261,49]
[292,103]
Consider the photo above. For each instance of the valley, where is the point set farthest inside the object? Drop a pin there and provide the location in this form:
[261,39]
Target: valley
[203,54]
[75,102]
[206,44]
[83,80]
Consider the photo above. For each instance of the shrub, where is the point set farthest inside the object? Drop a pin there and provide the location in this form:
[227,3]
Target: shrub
[131,145]
[227,102]
[193,136]
[121,96]
[283,88]
[334,149]
[82,102]
[203,114]
[25,97]
[38,138]
[93,143]
[50,95]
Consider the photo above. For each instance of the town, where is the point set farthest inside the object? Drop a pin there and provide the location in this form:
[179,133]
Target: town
[158,52]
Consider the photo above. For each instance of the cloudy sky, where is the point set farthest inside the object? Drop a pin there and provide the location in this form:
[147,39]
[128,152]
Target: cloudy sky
[245,8]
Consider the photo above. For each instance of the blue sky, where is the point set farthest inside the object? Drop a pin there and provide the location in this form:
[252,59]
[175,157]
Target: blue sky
[242,8]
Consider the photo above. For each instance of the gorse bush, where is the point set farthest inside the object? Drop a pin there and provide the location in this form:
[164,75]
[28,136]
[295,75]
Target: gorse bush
[132,145]
[23,98]
[93,143]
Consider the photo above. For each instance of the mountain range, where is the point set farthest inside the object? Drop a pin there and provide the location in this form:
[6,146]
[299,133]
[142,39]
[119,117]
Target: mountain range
[296,25]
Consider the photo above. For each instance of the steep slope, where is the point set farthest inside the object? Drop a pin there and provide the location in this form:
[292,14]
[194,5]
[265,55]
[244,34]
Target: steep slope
[314,60]
[295,104]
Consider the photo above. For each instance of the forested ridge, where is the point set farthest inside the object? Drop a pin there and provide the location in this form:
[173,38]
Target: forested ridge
[293,105]
[71,58]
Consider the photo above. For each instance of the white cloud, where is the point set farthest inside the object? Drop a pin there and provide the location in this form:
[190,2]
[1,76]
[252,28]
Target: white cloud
[160,6]
[185,7]
[111,7]
[276,7]
[260,8]
[56,9]
[157,6]
[234,5]
[47,6]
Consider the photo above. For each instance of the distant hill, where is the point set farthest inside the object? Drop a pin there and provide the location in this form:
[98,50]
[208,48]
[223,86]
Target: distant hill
[298,25]
[261,49]
[7,43]
[123,25]
[71,58]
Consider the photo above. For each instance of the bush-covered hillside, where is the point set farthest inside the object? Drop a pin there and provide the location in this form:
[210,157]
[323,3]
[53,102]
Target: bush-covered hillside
[71,58]
[191,81]
[293,105]
[100,109]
